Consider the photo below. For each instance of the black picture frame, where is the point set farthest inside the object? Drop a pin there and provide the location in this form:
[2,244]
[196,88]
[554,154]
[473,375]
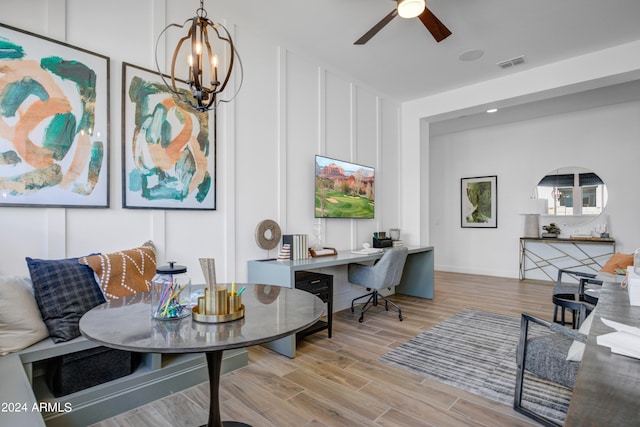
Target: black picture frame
[479,202]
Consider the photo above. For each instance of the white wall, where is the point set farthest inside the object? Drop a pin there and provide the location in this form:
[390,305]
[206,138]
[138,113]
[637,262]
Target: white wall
[605,140]
[597,69]
[290,108]
[600,139]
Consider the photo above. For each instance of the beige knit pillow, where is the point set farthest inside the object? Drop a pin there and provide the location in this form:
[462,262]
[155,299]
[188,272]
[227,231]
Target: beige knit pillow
[21,324]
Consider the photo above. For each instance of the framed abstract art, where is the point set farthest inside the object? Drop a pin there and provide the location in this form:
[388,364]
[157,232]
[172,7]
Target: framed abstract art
[168,148]
[54,123]
[479,202]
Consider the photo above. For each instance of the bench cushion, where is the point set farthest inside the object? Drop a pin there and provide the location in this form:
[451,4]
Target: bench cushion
[20,321]
[64,290]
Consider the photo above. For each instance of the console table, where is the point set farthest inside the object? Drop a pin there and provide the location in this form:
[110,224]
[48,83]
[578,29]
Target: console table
[417,277]
[606,390]
[541,258]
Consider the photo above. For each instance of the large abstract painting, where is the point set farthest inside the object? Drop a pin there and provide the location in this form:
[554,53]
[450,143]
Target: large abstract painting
[479,202]
[54,123]
[168,147]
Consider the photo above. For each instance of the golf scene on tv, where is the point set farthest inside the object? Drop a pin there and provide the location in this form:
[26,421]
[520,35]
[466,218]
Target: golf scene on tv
[343,189]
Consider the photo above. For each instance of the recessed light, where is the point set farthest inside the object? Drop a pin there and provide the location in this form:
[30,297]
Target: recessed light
[471,55]
[492,110]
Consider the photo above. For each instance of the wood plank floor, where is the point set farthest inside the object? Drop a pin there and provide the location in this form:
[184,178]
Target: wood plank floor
[340,382]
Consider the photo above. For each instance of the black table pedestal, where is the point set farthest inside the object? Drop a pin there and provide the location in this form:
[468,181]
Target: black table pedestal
[214,365]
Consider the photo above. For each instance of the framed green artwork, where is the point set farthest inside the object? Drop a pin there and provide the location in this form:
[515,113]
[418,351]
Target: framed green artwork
[168,148]
[479,202]
[54,123]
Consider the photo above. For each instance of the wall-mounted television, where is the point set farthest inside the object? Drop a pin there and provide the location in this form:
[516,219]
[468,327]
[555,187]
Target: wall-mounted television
[343,189]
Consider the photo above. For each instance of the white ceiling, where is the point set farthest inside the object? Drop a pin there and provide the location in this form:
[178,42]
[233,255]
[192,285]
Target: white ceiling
[404,62]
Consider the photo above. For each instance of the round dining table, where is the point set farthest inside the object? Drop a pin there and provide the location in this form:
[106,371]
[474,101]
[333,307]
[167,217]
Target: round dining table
[270,312]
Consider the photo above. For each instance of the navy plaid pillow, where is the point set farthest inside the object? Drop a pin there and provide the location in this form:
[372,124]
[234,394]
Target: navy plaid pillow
[64,290]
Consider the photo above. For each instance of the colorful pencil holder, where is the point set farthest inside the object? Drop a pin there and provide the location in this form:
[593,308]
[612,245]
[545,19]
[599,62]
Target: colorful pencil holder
[170,293]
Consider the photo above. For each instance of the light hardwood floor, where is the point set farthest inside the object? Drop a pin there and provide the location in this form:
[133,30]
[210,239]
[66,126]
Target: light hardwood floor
[340,382]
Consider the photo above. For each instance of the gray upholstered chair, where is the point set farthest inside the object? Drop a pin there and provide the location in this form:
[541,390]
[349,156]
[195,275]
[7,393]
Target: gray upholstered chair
[385,273]
[546,357]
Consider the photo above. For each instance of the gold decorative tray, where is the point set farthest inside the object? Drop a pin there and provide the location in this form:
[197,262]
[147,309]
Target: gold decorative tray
[217,318]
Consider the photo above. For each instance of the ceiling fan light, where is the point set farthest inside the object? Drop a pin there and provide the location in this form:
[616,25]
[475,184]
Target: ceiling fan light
[410,8]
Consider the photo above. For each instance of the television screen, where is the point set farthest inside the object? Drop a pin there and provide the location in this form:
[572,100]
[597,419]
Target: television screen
[343,189]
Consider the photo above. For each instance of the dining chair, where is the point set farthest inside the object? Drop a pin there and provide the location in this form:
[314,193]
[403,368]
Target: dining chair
[580,290]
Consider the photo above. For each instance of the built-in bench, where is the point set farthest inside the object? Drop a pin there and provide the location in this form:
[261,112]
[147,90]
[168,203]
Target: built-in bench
[26,374]
[27,400]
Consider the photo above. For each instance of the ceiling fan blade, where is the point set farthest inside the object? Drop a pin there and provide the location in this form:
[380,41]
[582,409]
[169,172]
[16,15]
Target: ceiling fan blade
[433,24]
[374,30]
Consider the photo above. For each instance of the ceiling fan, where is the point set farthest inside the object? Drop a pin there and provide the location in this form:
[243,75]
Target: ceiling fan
[410,9]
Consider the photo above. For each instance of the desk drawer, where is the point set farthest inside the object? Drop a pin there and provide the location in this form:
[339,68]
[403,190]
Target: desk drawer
[314,287]
[321,285]
[314,283]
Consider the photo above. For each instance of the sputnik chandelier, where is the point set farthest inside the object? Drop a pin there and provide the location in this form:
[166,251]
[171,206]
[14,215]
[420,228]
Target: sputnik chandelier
[210,66]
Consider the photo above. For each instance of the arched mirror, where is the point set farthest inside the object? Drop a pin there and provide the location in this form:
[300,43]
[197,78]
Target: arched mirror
[572,191]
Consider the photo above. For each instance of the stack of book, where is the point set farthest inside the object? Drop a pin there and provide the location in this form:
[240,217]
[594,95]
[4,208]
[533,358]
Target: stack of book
[397,243]
[299,244]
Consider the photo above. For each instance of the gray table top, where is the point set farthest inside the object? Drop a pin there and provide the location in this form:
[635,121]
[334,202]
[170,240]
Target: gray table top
[606,390]
[271,312]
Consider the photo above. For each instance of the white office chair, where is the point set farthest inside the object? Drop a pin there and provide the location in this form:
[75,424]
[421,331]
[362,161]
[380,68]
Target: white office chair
[385,273]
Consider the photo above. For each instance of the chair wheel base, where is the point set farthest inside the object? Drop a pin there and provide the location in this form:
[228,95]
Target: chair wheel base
[373,301]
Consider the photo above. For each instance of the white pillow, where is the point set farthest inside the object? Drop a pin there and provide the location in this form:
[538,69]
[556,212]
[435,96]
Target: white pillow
[21,323]
[577,348]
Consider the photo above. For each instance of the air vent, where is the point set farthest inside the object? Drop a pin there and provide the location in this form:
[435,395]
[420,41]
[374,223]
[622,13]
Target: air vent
[511,62]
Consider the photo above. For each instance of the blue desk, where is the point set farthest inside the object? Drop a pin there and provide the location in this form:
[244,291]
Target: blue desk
[417,277]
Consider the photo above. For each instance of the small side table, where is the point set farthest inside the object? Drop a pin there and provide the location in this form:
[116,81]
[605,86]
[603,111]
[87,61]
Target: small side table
[321,285]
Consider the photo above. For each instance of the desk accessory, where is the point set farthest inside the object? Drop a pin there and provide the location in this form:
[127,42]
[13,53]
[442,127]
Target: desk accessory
[324,251]
[367,250]
[394,233]
[217,318]
[268,234]
[285,253]
[299,244]
[380,240]
[170,289]
[218,304]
